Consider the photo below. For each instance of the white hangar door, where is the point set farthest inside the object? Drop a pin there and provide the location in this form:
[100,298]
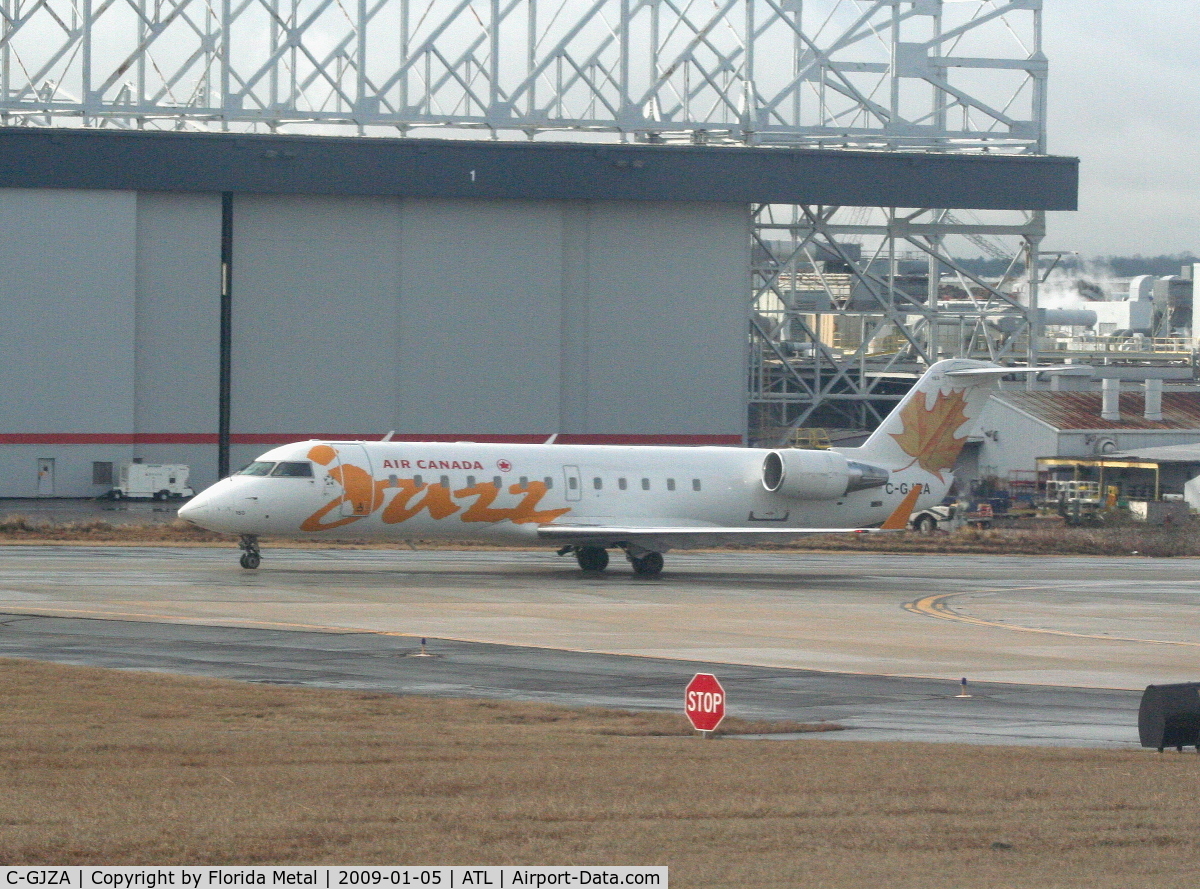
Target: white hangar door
[315,328]
[356,316]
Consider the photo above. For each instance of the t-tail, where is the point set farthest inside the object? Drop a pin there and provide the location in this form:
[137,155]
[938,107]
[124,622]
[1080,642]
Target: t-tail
[920,440]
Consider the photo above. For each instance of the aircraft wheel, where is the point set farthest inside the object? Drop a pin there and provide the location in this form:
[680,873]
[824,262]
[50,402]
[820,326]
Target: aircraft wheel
[649,565]
[926,524]
[592,558]
[251,560]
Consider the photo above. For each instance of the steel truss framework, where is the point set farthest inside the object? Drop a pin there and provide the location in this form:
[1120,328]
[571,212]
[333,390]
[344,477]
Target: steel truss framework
[887,73]
[925,75]
[848,300]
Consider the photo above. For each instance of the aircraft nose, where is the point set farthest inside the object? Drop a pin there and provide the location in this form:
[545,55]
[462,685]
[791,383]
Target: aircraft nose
[195,510]
[202,509]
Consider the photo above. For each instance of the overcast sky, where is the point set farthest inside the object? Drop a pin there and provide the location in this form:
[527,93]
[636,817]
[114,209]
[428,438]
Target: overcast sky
[1124,97]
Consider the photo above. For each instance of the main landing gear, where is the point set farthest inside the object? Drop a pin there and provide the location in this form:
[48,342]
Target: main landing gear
[646,563]
[251,557]
[649,564]
[591,558]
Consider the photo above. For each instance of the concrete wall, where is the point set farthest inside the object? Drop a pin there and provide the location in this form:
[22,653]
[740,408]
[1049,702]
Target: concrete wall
[356,316]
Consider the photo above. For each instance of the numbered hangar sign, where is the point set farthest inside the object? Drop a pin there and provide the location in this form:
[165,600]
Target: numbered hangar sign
[704,702]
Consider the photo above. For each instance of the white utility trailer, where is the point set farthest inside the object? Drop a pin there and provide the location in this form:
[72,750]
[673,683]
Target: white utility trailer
[152,481]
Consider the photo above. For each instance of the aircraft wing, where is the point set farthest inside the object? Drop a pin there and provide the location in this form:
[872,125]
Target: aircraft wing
[663,537]
[678,536]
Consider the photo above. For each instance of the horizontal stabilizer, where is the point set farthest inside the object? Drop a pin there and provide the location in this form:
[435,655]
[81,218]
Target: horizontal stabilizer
[997,371]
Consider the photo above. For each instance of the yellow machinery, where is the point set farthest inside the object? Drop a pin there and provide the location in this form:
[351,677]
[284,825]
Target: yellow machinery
[810,438]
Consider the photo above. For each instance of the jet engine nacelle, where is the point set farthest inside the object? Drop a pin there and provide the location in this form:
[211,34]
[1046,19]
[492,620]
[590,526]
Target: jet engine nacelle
[817,475]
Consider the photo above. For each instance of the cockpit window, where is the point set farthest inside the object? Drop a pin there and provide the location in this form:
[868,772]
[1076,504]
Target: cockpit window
[258,467]
[293,470]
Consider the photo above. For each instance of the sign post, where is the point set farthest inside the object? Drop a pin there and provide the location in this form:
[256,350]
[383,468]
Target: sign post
[704,703]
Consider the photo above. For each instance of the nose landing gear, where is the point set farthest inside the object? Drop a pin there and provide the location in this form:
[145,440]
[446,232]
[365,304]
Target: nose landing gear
[251,557]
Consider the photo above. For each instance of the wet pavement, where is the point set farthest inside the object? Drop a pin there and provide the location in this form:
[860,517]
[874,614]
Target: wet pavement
[868,707]
[1057,650]
[59,510]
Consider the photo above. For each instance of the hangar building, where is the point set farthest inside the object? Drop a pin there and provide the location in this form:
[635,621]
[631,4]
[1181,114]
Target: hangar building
[196,298]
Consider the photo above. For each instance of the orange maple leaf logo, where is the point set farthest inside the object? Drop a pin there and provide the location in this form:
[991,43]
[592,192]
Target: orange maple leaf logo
[928,433]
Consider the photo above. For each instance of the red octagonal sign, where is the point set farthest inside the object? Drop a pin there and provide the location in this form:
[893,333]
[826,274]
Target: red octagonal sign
[704,702]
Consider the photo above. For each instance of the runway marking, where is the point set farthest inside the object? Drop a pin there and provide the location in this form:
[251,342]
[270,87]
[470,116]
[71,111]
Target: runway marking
[936,606]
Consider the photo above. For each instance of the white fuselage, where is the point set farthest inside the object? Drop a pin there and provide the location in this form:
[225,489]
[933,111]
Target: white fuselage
[504,492]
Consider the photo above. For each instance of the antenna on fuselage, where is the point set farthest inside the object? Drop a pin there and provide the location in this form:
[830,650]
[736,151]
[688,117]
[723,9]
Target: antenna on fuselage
[388,437]
[550,440]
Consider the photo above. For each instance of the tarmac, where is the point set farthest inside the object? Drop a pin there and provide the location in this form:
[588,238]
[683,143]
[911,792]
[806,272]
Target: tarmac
[1055,651]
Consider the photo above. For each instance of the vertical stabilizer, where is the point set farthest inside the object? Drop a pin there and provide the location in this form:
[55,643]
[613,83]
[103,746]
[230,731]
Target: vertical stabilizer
[920,440]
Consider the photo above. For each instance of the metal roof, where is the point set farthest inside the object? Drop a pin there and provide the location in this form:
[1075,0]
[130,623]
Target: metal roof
[1081,410]
[344,165]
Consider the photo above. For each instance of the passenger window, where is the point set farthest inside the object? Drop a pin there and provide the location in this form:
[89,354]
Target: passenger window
[695,484]
[470,481]
[293,470]
[645,484]
[418,481]
[670,484]
[597,483]
[572,483]
[497,482]
[621,483]
[258,467]
[524,481]
[444,481]
[549,482]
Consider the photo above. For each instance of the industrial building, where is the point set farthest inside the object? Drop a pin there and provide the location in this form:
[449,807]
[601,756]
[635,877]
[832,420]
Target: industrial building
[1130,433]
[713,250]
[359,287]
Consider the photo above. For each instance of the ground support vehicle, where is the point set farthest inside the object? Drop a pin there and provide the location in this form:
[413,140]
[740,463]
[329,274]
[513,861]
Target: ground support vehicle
[152,481]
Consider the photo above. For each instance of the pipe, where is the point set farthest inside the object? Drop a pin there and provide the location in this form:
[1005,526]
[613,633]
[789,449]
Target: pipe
[225,373]
[1110,408]
[1154,394]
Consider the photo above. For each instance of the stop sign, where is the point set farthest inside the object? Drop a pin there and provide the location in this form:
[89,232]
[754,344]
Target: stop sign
[704,702]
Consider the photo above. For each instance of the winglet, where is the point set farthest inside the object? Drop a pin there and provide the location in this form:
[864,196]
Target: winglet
[898,520]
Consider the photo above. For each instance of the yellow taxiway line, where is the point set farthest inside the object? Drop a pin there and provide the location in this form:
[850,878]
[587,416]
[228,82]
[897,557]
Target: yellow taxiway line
[938,606]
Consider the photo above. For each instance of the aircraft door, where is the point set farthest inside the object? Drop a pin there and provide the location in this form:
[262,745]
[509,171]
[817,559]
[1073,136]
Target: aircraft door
[573,487]
[359,493]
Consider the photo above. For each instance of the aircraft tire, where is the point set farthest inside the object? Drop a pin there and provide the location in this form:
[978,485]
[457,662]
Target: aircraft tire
[926,524]
[250,560]
[592,558]
[649,565]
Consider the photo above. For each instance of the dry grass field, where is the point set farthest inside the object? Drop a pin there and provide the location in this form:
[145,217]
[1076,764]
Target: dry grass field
[103,767]
[1027,537]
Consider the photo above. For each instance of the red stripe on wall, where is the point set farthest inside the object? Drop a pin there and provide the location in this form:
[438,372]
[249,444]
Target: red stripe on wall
[103,438]
[153,438]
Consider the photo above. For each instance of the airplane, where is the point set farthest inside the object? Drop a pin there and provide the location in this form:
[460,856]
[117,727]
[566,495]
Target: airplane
[588,499]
